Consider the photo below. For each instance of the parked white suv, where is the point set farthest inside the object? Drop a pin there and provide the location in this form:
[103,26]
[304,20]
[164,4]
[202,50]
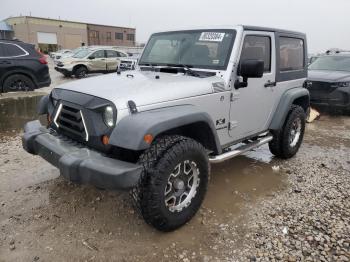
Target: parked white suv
[90,60]
[199,96]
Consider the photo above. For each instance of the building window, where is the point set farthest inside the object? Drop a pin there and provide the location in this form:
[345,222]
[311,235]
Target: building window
[94,34]
[109,36]
[130,37]
[119,36]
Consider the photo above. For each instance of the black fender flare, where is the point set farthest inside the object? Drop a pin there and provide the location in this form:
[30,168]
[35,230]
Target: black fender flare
[130,131]
[285,104]
[43,105]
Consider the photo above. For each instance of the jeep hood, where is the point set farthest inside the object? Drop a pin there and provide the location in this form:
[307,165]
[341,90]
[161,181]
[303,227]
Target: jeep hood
[143,87]
[328,76]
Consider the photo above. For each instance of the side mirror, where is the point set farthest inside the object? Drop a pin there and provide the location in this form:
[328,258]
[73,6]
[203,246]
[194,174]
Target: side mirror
[250,68]
[91,57]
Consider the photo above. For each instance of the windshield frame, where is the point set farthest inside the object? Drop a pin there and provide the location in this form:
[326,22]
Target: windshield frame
[330,69]
[223,67]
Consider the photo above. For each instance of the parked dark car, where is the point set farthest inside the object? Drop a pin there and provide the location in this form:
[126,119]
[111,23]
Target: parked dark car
[22,68]
[329,81]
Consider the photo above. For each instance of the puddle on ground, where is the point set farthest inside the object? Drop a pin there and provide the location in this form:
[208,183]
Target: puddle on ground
[15,112]
[242,180]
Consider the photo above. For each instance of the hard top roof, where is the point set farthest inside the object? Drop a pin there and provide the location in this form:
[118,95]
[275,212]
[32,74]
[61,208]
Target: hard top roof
[244,27]
[260,28]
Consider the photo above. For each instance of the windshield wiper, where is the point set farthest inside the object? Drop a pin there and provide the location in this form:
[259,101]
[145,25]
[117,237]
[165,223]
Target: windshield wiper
[187,69]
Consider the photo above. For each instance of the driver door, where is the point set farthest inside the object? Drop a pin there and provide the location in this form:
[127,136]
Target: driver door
[251,107]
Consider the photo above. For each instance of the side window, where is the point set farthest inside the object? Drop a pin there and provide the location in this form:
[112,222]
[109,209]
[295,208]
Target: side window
[10,50]
[257,47]
[99,54]
[291,54]
[112,53]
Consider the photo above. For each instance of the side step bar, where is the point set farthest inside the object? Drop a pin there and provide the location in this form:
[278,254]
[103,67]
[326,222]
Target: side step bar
[240,150]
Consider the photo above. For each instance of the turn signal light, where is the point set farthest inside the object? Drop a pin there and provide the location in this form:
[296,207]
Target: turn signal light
[105,140]
[148,138]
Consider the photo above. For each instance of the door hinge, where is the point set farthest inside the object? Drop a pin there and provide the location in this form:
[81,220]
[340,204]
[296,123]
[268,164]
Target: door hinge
[233,97]
[232,125]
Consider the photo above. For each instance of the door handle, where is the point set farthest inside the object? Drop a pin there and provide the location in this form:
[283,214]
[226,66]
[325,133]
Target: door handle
[270,84]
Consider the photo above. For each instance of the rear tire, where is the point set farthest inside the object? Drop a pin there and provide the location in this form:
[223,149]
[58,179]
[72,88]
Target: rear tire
[81,72]
[286,142]
[18,82]
[173,182]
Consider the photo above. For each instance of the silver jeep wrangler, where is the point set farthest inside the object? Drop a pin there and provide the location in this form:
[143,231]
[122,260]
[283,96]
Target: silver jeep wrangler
[197,97]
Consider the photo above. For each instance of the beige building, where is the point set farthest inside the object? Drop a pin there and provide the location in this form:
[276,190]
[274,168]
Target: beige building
[48,34]
[51,34]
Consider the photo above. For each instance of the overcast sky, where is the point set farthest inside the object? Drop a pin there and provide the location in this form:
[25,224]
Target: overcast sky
[326,22]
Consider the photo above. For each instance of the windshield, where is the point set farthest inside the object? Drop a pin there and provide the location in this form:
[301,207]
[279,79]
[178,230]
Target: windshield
[76,50]
[331,63]
[81,53]
[208,49]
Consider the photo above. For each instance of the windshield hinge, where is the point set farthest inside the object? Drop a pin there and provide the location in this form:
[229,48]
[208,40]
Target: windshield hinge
[132,107]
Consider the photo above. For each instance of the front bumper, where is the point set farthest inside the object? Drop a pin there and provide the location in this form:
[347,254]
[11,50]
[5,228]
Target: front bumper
[330,97]
[63,70]
[78,163]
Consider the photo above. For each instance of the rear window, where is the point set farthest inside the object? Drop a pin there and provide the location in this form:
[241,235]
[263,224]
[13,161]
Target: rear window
[291,54]
[11,50]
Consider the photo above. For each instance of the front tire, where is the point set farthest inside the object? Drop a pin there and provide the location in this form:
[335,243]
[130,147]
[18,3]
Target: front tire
[81,72]
[173,183]
[286,142]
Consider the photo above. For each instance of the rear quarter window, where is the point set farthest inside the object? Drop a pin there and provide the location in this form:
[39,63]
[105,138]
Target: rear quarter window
[292,57]
[9,50]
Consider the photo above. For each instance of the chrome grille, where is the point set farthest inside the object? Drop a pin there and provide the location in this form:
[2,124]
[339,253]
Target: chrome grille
[71,121]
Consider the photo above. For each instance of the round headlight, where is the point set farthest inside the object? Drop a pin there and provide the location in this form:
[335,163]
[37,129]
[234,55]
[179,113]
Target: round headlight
[108,116]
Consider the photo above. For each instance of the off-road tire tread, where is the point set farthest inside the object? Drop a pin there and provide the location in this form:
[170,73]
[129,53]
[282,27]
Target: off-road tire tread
[279,146]
[154,160]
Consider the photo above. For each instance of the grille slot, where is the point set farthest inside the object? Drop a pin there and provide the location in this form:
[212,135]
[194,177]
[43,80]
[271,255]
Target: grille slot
[71,121]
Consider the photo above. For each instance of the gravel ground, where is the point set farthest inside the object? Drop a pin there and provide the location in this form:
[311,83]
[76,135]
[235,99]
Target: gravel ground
[257,208]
